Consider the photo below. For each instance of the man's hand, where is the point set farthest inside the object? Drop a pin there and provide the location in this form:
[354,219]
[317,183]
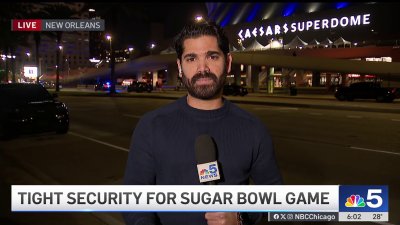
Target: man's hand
[221,218]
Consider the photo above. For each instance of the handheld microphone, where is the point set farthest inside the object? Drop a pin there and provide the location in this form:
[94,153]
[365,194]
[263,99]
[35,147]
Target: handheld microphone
[206,157]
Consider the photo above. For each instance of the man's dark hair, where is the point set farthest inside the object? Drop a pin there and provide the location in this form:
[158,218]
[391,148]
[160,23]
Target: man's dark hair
[197,29]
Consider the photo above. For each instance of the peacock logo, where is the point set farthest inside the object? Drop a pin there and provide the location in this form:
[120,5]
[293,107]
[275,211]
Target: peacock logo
[355,201]
[204,172]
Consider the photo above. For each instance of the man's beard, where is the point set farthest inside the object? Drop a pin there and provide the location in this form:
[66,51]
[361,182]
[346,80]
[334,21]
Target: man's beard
[205,91]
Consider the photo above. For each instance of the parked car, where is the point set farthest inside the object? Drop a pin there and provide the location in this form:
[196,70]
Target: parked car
[140,87]
[234,89]
[366,90]
[30,108]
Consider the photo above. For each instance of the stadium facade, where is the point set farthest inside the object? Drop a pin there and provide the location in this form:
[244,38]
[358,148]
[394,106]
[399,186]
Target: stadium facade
[351,31]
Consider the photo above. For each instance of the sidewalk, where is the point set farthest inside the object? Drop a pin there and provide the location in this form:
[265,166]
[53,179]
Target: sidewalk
[316,101]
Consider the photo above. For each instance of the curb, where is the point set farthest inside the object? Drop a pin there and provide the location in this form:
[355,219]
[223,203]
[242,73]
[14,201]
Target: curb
[264,102]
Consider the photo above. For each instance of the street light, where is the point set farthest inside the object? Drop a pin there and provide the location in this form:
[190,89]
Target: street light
[152,46]
[130,50]
[112,65]
[68,69]
[109,38]
[60,48]
[199,18]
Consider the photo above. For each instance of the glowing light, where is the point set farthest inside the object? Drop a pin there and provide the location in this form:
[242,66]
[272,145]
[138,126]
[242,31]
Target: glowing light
[223,14]
[93,60]
[289,10]
[341,5]
[303,26]
[313,7]
[253,12]
[241,13]
[270,10]
[30,71]
[199,18]
[217,10]
[275,44]
[229,15]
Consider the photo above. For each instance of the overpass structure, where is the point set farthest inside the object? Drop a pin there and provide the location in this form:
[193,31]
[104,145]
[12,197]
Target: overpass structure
[317,60]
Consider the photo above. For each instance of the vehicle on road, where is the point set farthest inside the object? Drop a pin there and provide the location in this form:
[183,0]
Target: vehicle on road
[30,108]
[367,90]
[234,89]
[102,86]
[49,84]
[140,87]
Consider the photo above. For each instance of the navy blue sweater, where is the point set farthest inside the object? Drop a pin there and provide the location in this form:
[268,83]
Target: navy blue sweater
[162,153]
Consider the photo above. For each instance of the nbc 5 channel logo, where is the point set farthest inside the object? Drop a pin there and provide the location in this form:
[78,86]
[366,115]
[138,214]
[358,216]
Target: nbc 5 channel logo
[208,171]
[365,198]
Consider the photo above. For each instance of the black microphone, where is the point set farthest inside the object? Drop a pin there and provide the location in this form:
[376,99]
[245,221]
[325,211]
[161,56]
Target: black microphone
[206,157]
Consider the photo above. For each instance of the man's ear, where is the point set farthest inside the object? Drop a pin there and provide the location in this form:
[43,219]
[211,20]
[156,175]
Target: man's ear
[228,63]
[178,62]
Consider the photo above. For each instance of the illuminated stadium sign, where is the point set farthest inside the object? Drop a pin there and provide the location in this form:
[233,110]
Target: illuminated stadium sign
[301,26]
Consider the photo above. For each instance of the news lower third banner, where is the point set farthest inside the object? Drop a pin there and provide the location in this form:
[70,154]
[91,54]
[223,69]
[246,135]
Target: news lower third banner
[58,25]
[282,202]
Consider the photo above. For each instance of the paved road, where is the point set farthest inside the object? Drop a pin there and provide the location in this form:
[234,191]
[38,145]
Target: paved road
[318,101]
[313,146]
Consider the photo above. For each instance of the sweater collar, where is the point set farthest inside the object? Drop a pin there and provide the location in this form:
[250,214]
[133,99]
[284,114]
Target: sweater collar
[204,114]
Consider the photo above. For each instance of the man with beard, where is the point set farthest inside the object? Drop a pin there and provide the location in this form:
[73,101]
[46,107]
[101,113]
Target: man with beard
[162,150]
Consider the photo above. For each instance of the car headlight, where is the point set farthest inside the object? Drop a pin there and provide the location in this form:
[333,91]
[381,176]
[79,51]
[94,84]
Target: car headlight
[61,105]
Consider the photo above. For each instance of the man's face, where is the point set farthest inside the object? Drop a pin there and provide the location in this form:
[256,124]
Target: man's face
[204,67]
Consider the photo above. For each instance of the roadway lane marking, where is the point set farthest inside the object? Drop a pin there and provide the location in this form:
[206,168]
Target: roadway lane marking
[354,117]
[374,150]
[132,116]
[99,142]
[287,108]
[396,120]
[316,114]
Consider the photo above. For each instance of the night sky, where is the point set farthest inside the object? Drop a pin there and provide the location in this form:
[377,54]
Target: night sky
[130,23]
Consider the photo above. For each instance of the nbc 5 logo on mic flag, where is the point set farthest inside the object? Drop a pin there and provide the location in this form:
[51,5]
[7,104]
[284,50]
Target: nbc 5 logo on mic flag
[365,198]
[208,171]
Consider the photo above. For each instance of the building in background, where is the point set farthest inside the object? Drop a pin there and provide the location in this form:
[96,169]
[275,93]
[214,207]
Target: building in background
[356,31]
[74,47]
[97,45]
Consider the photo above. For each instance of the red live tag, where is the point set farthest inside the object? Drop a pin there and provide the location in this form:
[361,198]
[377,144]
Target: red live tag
[26,25]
